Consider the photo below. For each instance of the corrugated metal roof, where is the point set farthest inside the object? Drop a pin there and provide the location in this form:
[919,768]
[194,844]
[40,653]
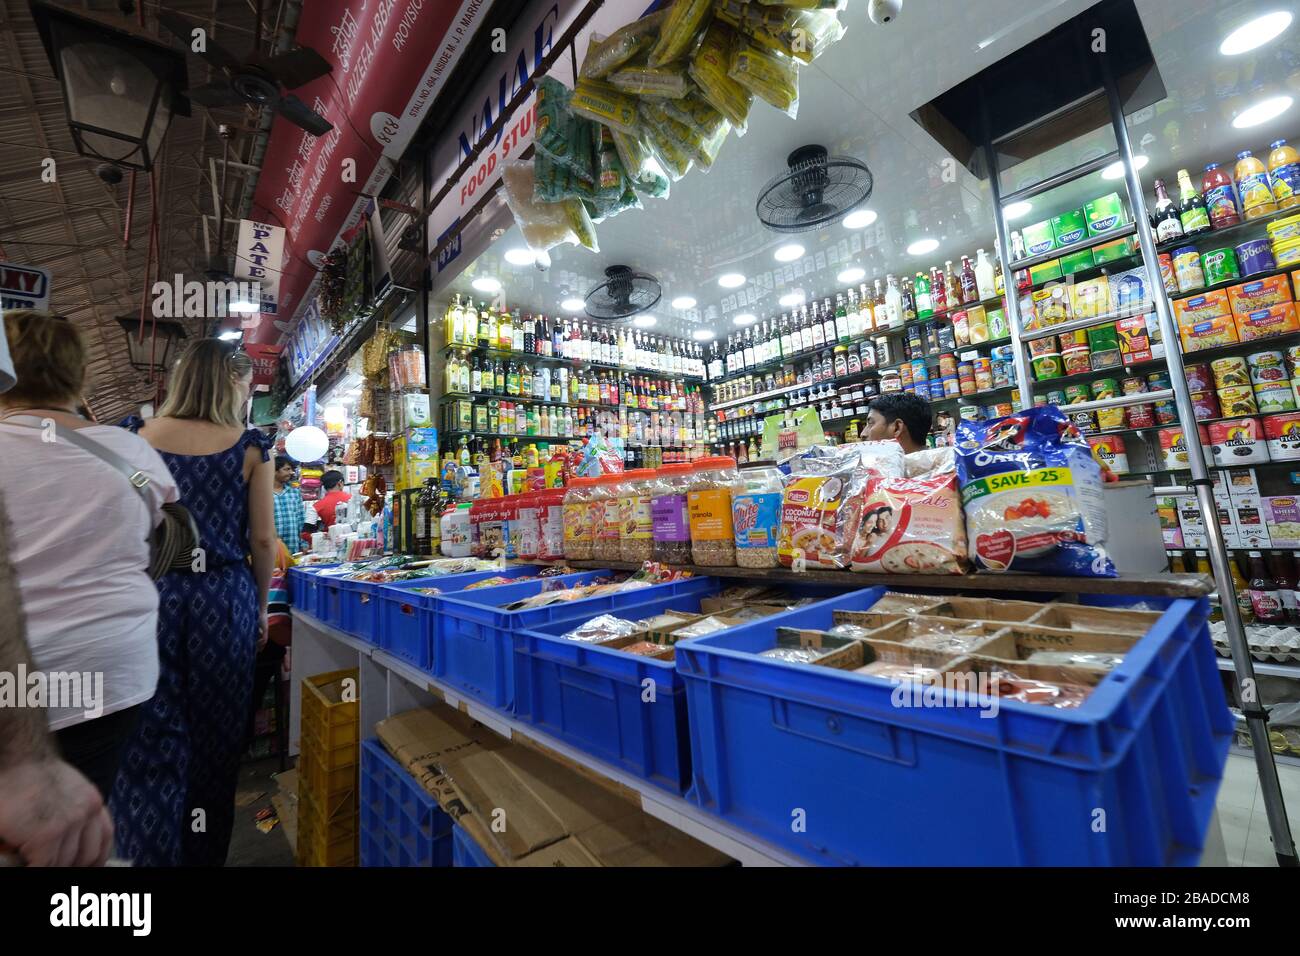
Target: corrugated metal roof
[74,225]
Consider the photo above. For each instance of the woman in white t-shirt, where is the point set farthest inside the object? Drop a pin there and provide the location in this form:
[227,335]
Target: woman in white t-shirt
[80,549]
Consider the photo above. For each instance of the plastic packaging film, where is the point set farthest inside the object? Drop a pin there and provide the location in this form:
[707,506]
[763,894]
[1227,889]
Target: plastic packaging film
[769,75]
[607,54]
[685,20]
[709,69]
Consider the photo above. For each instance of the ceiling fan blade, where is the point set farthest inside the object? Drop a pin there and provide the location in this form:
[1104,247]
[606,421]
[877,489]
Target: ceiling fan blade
[215,95]
[183,29]
[300,114]
[297,67]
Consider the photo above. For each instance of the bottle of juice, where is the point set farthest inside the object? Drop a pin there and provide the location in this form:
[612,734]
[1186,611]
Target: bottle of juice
[1253,186]
[1220,197]
[984,275]
[1284,170]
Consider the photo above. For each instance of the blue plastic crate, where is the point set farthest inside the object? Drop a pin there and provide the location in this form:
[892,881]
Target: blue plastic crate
[405,625]
[823,763]
[594,697]
[401,824]
[304,589]
[465,852]
[472,644]
[359,609]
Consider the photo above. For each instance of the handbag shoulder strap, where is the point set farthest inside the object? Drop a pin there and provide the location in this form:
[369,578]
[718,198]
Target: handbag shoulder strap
[138,479]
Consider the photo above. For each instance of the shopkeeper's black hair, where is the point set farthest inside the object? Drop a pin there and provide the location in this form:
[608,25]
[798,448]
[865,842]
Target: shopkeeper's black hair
[915,413]
[281,461]
[331,479]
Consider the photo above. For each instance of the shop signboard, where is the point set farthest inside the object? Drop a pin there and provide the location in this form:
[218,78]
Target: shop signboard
[528,41]
[24,287]
[265,357]
[258,258]
[390,60]
[311,339]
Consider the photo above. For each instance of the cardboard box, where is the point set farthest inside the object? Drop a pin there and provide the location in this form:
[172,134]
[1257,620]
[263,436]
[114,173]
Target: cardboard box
[1192,523]
[1239,482]
[1038,238]
[1197,308]
[1080,617]
[421,444]
[1134,339]
[1104,214]
[1265,323]
[1129,292]
[1119,249]
[1068,228]
[1045,271]
[1249,521]
[1256,294]
[1077,262]
[1282,520]
[1090,299]
[1207,333]
[416,411]
[962,608]
[1167,513]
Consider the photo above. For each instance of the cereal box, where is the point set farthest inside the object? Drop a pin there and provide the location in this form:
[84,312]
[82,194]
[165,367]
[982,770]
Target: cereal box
[1207,333]
[1167,512]
[1196,308]
[1252,529]
[1262,323]
[1134,340]
[1282,520]
[1258,294]
[1192,524]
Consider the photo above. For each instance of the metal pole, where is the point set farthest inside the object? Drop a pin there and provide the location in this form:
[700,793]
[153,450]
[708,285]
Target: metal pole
[1256,716]
[1010,293]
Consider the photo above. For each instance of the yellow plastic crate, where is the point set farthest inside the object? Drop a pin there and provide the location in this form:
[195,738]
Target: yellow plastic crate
[328,765]
[327,718]
[325,841]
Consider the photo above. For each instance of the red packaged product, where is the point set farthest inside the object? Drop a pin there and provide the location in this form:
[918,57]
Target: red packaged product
[550,516]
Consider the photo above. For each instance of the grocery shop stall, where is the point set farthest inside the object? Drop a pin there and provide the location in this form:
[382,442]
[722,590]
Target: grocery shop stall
[907,290]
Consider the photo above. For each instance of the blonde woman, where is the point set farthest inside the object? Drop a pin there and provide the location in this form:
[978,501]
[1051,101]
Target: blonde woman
[173,803]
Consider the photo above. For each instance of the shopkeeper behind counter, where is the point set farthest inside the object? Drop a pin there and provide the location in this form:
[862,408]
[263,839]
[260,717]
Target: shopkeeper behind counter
[900,416]
[335,495]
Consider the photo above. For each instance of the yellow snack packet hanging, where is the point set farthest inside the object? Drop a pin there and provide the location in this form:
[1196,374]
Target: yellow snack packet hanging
[671,156]
[771,76]
[709,69]
[685,20]
[607,54]
[668,81]
[605,104]
[688,129]
[807,4]
[800,34]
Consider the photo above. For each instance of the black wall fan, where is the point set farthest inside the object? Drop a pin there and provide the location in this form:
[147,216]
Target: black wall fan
[817,190]
[257,80]
[623,293]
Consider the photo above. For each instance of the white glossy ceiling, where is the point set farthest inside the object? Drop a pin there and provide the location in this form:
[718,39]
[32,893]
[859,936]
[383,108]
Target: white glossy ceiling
[856,100]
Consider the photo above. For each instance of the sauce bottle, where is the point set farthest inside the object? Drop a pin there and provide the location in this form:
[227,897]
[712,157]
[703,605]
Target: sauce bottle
[1283,570]
[1265,600]
[952,286]
[938,291]
[1191,207]
[984,276]
[1284,170]
[1244,607]
[1220,197]
[1253,186]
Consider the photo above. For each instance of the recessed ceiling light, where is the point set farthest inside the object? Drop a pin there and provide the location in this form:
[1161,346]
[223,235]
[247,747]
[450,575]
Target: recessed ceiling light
[1017,209]
[521,257]
[860,219]
[644,321]
[231,334]
[922,247]
[791,299]
[1255,33]
[788,253]
[487,284]
[243,306]
[573,305]
[745,318]
[732,280]
[851,275]
[1262,112]
[683,302]
[1116,169]
[702,335]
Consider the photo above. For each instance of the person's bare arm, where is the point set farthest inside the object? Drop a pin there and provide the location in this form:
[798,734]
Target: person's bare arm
[49,813]
[261,529]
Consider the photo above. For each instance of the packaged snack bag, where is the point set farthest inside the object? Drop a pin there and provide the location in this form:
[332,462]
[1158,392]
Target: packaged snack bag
[1032,495]
[771,76]
[709,69]
[545,225]
[821,510]
[685,20]
[607,54]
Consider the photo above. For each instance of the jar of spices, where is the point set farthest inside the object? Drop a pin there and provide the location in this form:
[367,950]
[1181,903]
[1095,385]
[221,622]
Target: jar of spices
[635,536]
[670,525]
[708,503]
[579,536]
[605,518]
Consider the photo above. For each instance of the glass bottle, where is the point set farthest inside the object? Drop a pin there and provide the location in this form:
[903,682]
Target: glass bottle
[921,289]
[1264,598]
[1164,218]
[1191,207]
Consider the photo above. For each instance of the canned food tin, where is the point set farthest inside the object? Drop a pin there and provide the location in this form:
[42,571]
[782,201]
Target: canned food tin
[947,364]
[1003,373]
[1085,422]
[981,364]
[1205,405]
[1173,447]
[967,386]
[951,387]
[1077,360]
[1282,436]
[1238,442]
[1076,393]
[1230,371]
[1272,399]
[1047,366]
[1187,269]
[1109,418]
[1237,400]
[983,380]
[1109,450]
[1266,368]
[936,389]
[1055,397]
[920,371]
[1219,265]
[1198,377]
[1281,229]
[1256,256]
[1044,346]
[1003,409]
[965,371]
[1103,341]
[1166,413]
[1139,416]
[904,374]
[1167,276]
[1105,388]
[1071,339]
[968,413]
[1133,386]
[1157,381]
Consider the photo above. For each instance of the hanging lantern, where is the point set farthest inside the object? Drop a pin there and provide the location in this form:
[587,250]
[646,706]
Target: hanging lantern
[155,350]
[121,87]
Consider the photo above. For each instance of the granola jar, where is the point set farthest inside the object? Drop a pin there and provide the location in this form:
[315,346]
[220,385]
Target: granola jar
[579,535]
[756,498]
[636,525]
[604,517]
[708,503]
[670,524]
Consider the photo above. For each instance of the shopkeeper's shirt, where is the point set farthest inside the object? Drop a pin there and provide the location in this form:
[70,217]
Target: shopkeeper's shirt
[78,543]
[327,505]
[288,517]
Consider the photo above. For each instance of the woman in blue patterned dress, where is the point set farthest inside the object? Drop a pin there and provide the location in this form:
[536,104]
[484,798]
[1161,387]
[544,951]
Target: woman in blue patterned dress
[173,801]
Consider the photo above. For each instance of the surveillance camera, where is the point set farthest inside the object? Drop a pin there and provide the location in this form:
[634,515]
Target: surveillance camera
[884,11]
